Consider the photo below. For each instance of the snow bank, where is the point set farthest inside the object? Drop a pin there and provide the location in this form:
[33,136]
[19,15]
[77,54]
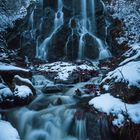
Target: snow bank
[7,132]
[111,105]
[128,73]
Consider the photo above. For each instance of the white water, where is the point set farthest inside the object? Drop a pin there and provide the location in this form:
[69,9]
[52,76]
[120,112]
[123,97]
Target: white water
[81,129]
[59,16]
[81,47]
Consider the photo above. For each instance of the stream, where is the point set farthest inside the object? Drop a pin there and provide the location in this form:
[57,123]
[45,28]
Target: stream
[54,116]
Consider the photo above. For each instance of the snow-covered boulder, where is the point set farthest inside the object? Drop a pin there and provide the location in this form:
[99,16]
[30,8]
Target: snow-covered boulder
[124,82]
[22,95]
[7,131]
[24,81]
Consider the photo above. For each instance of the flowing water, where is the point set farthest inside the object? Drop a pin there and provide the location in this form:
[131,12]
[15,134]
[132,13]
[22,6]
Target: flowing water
[46,119]
[42,49]
[57,116]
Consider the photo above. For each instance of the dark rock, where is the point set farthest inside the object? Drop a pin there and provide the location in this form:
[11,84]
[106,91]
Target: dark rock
[59,102]
[98,127]
[91,47]
[52,89]
[128,94]
[55,88]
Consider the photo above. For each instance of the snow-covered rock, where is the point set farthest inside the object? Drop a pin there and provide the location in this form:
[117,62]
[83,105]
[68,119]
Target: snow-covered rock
[23,81]
[129,74]
[22,95]
[132,54]
[64,72]
[22,91]
[108,104]
[7,131]
[124,82]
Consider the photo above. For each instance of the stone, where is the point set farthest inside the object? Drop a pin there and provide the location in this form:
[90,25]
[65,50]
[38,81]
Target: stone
[91,47]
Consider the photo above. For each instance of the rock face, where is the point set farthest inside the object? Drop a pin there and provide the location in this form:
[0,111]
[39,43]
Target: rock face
[59,30]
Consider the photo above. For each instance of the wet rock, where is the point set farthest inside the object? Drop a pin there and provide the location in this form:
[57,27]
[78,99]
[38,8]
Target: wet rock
[58,101]
[98,127]
[55,88]
[72,47]
[52,89]
[56,46]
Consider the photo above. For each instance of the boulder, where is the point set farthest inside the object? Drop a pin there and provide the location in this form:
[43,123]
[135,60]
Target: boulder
[91,47]
[22,95]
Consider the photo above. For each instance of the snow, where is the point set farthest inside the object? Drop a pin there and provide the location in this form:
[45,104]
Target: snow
[22,91]
[64,69]
[119,121]
[23,79]
[128,73]
[129,13]
[4,92]
[7,131]
[132,54]
[9,15]
[108,104]
[8,67]
[106,87]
